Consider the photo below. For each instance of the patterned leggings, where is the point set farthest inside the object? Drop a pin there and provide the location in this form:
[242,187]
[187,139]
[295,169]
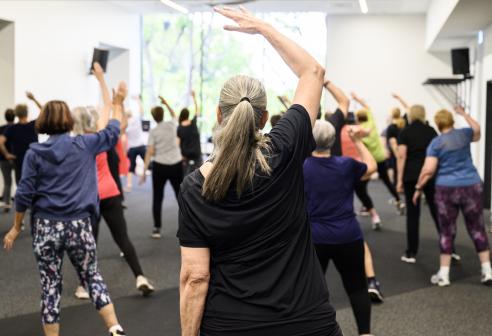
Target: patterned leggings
[449,201]
[50,240]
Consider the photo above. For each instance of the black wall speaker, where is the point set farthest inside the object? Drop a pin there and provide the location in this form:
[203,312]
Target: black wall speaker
[461,61]
[100,56]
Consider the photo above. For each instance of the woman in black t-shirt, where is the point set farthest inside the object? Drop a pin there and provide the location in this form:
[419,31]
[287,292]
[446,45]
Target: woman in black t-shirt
[189,137]
[248,266]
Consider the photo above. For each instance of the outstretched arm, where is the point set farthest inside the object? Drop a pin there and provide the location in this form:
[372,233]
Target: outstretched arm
[475,126]
[30,96]
[166,104]
[195,103]
[403,103]
[106,109]
[339,96]
[359,100]
[304,66]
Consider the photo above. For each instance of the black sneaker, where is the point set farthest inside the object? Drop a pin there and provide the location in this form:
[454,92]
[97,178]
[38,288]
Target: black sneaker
[117,332]
[409,258]
[373,287]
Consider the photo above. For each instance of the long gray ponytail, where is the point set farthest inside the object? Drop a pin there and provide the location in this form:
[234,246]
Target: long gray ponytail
[239,146]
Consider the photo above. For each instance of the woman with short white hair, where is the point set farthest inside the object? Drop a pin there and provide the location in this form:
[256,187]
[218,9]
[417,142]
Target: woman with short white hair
[329,183]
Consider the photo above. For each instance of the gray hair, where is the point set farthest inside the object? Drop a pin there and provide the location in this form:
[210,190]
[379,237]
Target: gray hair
[239,146]
[324,134]
[85,120]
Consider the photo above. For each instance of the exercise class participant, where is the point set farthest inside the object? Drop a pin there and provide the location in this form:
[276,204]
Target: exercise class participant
[373,143]
[163,149]
[136,143]
[458,187]
[20,136]
[337,118]
[329,185]
[248,263]
[7,164]
[396,125]
[189,137]
[59,185]
[413,143]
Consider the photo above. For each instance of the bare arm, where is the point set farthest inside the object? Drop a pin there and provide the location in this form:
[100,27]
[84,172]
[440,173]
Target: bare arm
[403,103]
[166,104]
[193,286]
[364,153]
[427,172]
[106,109]
[393,144]
[149,154]
[475,126]
[342,100]
[304,66]
[30,96]
[401,160]
[195,103]
[359,100]
[11,236]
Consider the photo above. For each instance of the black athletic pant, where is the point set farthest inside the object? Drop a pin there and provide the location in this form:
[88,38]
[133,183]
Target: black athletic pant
[363,195]
[349,261]
[112,211]
[160,174]
[413,213]
[114,168]
[383,175]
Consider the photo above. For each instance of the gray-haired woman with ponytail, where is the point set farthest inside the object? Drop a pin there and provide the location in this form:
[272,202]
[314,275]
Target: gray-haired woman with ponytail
[248,266]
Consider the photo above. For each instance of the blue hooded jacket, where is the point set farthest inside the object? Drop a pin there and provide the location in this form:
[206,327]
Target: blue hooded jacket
[59,179]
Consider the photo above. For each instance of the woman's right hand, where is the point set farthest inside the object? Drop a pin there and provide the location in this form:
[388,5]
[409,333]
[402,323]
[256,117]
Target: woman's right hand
[246,21]
[98,71]
[9,239]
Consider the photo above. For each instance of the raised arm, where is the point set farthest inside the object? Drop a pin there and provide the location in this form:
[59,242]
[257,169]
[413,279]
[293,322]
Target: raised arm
[366,157]
[31,97]
[304,66]
[166,104]
[103,120]
[195,103]
[402,102]
[193,286]
[342,100]
[359,100]
[475,126]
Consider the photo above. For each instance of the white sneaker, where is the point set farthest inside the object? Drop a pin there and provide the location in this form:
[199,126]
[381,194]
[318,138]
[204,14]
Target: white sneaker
[81,293]
[376,223]
[439,280]
[455,257]
[487,279]
[144,285]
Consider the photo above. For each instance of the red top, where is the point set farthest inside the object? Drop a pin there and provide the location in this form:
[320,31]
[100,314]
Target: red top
[348,146]
[105,182]
[121,148]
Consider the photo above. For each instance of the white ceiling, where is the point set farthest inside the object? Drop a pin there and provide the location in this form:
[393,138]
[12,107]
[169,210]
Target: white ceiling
[326,6]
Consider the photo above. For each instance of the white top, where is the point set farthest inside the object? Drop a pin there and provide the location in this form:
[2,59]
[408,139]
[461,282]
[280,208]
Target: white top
[164,138]
[134,132]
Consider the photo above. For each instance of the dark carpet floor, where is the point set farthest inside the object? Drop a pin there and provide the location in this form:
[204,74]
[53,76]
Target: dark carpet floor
[412,307]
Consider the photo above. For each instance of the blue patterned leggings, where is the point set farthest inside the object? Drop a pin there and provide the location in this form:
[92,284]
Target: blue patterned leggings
[449,202]
[50,240]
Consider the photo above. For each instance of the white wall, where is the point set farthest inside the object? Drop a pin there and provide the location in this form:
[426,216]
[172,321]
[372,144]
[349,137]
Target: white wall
[54,42]
[377,55]
[437,15]
[6,66]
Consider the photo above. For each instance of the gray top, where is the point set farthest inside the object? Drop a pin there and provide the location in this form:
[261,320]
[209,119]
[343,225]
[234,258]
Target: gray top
[164,138]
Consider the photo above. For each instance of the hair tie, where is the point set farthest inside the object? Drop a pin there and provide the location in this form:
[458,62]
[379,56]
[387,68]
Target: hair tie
[245,98]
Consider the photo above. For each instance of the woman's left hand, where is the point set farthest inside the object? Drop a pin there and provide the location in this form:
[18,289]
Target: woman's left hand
[416,196]
[9,239]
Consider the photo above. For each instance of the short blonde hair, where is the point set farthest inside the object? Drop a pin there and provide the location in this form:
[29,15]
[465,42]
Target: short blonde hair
[324,135]
[395,113]
[444,119]
[417,112]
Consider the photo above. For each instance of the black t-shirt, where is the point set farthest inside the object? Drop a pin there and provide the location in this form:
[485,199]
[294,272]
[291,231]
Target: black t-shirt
[392,132]
[190,141]
[337,119]
[3,129]
[20,136]
[416,136]
[265,276]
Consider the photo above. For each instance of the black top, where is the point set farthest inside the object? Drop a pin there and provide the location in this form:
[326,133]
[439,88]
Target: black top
[20,136]
[337,119]
[416,136]
[3,129]
[265,276]
[392,132]
[190,141]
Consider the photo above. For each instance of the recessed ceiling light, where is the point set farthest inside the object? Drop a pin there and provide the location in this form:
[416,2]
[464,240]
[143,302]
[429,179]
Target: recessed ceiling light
[175,6]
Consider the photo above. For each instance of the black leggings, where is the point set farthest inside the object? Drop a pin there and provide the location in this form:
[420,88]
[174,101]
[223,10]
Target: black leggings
[363,195]
[114,168]
[349,261]
[383,175]
[160,174]
[112,212]
[413,213]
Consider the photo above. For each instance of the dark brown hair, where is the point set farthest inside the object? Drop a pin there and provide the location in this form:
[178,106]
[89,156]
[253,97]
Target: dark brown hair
[9,115]
[21,111]
[55,118]
[158,113]
[184,115]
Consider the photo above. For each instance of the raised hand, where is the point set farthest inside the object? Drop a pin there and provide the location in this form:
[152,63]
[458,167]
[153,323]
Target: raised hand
[163,101]
[30,96]
[245,20]
[120,94]
[460,110]
[193,94]
[98,71]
